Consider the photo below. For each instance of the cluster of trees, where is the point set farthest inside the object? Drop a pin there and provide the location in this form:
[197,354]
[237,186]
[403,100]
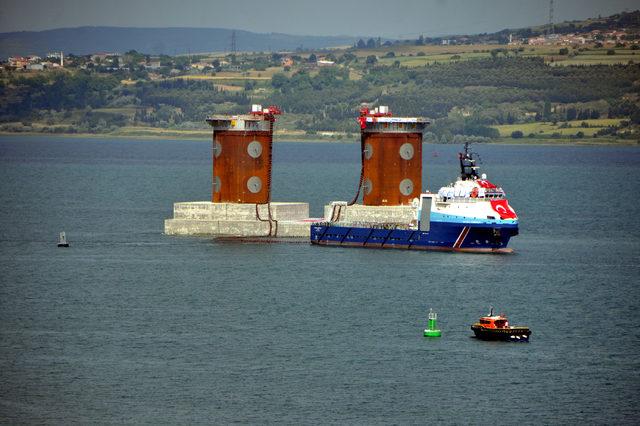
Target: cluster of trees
[371,43]
[620,108]
[573,113]
[330,98]
[464,97]
[22,96]
[132,65]
[178,100]
[493,91]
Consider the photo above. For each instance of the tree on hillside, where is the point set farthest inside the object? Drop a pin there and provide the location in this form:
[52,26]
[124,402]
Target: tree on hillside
[546,112]
[361,44]
[420,40]
[347,57]
[371,43]
[279,80]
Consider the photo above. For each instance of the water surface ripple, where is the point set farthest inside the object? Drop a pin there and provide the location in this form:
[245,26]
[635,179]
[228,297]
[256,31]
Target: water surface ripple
[129,325]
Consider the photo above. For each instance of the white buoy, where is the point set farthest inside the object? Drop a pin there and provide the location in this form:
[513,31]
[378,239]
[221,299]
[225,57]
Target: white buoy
[62,241]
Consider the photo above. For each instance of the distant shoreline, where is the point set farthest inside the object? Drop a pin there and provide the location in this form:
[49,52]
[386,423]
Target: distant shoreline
[175,135]
[206,137]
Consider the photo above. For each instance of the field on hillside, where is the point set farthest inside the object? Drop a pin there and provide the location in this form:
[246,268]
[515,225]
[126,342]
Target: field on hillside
[544,129]
[416,56]
[469,90]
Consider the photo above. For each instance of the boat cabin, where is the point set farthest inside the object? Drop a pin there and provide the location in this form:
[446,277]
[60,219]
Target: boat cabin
[495,321]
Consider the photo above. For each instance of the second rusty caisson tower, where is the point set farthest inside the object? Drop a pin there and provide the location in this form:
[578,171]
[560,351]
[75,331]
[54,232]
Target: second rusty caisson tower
[390,170]
[391,157]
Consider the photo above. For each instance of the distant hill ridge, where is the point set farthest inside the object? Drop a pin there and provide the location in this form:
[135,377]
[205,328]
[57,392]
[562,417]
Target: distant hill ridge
[628,20]
[171,41]
[176,41]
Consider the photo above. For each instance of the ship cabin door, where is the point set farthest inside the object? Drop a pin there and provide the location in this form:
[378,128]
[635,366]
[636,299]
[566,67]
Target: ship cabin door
[424,214]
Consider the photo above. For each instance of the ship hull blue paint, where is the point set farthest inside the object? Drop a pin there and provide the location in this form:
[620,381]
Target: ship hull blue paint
[445,236]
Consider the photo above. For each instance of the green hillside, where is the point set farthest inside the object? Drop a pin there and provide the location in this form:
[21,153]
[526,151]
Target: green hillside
[479,92]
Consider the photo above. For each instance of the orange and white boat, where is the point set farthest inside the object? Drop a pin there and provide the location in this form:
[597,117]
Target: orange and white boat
[496,327]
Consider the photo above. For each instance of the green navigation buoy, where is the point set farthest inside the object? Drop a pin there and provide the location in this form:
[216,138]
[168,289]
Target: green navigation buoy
[431,330]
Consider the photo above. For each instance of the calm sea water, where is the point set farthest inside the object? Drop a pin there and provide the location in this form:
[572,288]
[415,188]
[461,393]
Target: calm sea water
[130,325]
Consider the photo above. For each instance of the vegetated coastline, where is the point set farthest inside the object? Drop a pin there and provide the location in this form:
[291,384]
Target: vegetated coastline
[297,138]
[554,92]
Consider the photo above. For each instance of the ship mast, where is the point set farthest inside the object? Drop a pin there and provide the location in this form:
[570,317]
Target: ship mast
[468,168]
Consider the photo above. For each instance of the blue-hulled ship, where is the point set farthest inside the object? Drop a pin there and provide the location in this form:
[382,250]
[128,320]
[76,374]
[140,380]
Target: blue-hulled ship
[469,215]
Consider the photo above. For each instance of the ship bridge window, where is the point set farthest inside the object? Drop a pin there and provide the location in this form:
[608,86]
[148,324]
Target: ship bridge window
[500,323]
[483,321]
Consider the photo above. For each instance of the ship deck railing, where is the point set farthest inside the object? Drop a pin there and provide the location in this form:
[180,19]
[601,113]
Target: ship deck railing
[370,225]
[457,199]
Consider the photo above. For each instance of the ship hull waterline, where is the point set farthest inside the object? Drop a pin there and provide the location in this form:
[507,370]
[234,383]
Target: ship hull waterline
[441,237]
[512,334]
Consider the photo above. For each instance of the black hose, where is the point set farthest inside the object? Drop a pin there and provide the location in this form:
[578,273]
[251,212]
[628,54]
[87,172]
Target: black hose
[355,199]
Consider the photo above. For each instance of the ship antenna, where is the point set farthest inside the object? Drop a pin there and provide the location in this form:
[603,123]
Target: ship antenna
[478,158]
[467,164]
[472,154]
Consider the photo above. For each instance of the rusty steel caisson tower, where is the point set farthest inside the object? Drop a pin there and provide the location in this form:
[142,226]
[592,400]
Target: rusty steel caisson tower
[241,205]
[241,154]
[390,169]
[391,157]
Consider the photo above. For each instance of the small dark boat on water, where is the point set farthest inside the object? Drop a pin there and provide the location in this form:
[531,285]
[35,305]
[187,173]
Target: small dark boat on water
[496,327]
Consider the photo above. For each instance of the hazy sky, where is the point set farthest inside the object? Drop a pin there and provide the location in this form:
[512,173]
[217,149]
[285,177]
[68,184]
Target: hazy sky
[390,18]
